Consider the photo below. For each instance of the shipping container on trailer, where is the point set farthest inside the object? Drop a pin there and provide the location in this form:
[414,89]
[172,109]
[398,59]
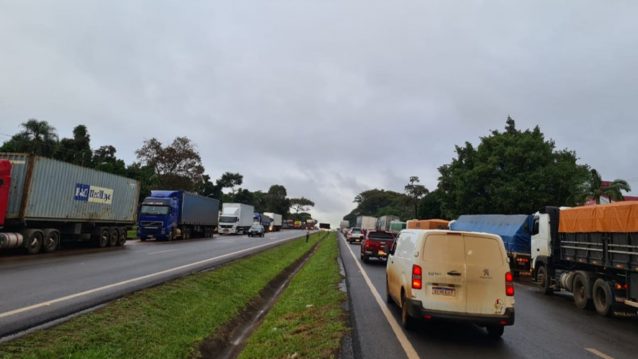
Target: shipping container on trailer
[50,201]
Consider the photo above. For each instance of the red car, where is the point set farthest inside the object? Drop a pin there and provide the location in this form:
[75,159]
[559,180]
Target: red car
[376,244]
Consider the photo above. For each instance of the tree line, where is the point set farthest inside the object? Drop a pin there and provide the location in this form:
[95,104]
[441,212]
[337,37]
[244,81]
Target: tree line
[177,165]
[509,172]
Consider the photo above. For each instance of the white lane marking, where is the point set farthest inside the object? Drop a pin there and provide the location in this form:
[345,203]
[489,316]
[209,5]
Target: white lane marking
[164,251]
[599,353]
[132,280]
[410,352]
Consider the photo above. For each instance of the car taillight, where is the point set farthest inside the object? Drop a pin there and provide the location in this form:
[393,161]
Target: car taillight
[509,284]
[417,277]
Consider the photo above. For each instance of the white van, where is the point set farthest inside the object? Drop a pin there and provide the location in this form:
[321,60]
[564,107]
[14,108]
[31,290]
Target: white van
[438,274]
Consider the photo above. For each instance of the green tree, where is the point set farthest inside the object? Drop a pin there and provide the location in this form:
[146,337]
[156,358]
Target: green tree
[301,204]
[511,172]
[378,202]
[37,137]
[76,150]
[430,206]
[613,190]
[177,166]
[277,201]
[104,159]
[415,191]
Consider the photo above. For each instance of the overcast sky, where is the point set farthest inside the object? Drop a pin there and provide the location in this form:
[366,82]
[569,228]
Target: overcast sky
[328,98]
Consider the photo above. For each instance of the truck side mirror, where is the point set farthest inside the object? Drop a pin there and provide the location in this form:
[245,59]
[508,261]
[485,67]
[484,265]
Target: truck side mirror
[535,227]
[393,247]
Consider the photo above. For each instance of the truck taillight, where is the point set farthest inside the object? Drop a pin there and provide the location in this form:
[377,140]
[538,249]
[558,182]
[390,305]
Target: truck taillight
[417,277]
[509,284]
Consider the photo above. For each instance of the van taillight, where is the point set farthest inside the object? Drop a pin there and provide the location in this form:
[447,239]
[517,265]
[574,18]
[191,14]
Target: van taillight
[509,284]
[417,277]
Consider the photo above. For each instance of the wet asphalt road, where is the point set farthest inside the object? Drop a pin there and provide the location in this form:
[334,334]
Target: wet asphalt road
[37,289]
[546,326]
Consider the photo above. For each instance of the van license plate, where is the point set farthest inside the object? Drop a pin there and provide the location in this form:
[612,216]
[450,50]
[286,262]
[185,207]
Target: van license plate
[445,291]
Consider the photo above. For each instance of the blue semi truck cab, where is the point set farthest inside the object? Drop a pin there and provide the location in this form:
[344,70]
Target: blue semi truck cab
[171,214]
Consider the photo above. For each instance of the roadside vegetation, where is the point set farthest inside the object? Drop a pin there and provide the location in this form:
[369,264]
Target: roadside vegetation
[509,172]
[167,321]
[308,319]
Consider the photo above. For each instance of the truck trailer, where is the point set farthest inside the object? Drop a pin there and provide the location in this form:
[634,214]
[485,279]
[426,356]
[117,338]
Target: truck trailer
[367,223]
[236,218]
[383,223]
[590,251]
[45,202]
[514,230]
[171,214]
[276,223]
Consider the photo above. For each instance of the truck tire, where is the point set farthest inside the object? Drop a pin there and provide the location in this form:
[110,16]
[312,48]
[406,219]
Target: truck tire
[122,234]
[407,321]
[388,297]
[171,235]
[114,237]
[495,331]
[103,236]
[543,280]
[50,240]
[33,240]
[580,289]
[602,297]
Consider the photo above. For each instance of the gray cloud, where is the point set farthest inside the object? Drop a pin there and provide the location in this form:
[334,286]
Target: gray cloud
[327,98]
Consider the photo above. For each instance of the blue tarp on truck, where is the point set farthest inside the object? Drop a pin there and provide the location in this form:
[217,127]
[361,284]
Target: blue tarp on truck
[514,229]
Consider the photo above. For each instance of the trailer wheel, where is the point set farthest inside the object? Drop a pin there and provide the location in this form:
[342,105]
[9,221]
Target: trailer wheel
[602,297]
[122,234]
[579,289]
[114,237]
[33,240]
[543,279]
[103,237]
[51,240]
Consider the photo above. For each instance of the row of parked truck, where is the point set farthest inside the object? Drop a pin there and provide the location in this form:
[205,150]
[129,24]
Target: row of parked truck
[44,202]
[590,251]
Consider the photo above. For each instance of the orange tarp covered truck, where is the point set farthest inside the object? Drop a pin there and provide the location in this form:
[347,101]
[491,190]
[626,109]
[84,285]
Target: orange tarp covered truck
[427,224]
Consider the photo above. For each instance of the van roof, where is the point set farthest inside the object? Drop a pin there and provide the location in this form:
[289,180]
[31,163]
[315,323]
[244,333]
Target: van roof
[443,231]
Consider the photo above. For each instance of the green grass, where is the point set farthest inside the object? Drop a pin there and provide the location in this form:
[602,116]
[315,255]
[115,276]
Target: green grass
[168,321]
[308,319]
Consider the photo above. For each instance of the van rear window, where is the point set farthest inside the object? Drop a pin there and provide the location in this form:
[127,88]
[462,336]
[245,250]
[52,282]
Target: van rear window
[481,250]
[444,249]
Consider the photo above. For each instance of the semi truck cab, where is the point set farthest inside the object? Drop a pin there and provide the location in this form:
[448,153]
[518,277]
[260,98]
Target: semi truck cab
[541,238]
[158,217]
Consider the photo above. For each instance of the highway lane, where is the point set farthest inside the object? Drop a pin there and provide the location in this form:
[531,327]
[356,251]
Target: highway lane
[546,326]
[37,289]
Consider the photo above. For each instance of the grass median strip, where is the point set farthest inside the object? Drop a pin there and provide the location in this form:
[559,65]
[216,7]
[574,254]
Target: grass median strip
[167,321]
[308,318]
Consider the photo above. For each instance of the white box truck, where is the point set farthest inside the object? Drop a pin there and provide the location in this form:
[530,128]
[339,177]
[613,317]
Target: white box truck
[236,218]
[277,221]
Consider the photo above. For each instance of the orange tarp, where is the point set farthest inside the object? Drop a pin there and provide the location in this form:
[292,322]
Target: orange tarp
[616,217]
[427,224]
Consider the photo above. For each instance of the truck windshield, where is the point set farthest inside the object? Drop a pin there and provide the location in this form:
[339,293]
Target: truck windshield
[228,219]
[155,210]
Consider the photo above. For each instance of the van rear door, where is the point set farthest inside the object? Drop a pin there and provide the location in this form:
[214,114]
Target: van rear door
[486,268]
[444,272]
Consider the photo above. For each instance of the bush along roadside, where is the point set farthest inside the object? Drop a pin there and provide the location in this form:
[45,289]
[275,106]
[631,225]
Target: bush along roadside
[167,321]
[308,320]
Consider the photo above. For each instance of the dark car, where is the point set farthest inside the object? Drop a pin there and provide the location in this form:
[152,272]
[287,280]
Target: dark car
[376,244]
[256,230]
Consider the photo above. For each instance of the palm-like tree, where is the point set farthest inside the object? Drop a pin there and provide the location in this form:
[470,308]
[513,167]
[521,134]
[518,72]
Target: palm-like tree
[613,191]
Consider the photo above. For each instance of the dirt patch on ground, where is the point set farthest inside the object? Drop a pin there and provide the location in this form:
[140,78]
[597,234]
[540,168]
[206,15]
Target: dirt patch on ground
[228,340]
